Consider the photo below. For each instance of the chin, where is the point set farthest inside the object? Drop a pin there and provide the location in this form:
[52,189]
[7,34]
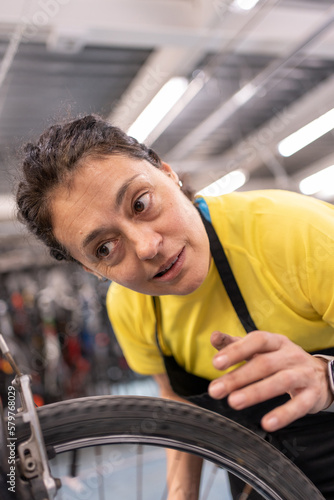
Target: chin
[179,289]
[187,288]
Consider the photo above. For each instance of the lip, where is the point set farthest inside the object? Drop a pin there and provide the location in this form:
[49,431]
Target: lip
[174,271]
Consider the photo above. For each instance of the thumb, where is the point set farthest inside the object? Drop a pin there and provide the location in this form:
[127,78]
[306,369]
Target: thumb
[220,340]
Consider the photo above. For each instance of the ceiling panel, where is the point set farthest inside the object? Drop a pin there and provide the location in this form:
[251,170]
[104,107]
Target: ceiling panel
[106,58]
[42,86]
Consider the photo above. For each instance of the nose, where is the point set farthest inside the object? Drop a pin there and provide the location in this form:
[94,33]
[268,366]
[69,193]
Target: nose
[146,242]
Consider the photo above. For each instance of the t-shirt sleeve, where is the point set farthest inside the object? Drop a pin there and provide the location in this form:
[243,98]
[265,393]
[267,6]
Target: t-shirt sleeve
[319,266]
[132,317]
[302,238]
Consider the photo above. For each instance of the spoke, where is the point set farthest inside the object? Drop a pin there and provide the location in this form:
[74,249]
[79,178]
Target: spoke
[210,481]
[74,463]
[99,470]
[246,492]
[140,472]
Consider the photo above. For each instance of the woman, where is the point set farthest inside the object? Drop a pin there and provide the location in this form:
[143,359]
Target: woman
[96,196]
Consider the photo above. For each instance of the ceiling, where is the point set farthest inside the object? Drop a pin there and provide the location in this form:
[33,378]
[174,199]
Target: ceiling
[254,77]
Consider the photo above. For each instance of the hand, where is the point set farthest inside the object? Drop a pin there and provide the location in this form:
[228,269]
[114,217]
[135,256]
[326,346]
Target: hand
[274,366]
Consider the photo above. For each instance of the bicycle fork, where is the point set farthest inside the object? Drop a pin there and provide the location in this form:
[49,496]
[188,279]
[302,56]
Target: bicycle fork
[32,464]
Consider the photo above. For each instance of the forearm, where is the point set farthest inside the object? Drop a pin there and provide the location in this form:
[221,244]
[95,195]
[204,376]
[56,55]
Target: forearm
[183,475]
[183,469]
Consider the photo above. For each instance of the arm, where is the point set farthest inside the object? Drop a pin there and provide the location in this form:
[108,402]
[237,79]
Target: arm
[298,258]
[134,327]
[183,470]
[274,366]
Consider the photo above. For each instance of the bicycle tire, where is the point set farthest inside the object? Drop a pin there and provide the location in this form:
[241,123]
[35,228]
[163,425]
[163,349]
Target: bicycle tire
[96,420]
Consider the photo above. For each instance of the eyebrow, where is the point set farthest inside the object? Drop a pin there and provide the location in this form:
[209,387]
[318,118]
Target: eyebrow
[119,198]
[122,190]
[92,236]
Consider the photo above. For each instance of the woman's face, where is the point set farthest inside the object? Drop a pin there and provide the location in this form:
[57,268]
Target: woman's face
[128,221]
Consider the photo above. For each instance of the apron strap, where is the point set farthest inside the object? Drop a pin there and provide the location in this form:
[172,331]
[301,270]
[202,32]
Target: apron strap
[227,277]
[228,280]
[158,322]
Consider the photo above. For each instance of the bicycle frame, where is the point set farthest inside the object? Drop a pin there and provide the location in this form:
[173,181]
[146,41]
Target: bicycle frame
[32,479]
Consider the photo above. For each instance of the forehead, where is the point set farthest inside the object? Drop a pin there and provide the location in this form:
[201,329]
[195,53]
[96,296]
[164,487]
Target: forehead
[94,180]
[106,171]
[91,194]
[114,166]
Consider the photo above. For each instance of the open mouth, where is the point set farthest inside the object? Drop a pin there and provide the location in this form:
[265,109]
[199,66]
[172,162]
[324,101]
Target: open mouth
[167,268]
[172,267]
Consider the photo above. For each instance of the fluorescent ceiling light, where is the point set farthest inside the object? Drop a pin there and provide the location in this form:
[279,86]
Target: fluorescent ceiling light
[245,4]
[320,181]
[157,109]
[7,207]
[304,136]
[225,184]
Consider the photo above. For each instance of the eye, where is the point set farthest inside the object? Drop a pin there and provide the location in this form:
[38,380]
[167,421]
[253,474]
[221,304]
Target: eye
[105,250]
[141,203]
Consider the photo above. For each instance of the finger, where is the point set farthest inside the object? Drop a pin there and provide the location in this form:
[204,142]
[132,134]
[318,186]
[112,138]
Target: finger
[263,390]
[288,381]
[258,368]
[264,377]
[254,343]
[285,414]
[220,340]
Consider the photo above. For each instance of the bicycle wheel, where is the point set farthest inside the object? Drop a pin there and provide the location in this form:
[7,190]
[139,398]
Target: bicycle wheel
[74,424]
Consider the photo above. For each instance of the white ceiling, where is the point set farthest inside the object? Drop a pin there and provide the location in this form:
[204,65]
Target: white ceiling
[255,75]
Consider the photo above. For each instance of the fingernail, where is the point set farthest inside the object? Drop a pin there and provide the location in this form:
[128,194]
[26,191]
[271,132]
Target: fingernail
[216,389]
[237,400]
[220,361]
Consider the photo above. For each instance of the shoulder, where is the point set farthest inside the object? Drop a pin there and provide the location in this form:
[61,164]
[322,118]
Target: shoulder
[133,321]
[269,206]
[121,300]
[272,227]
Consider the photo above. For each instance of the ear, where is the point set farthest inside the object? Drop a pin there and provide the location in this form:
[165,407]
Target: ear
[170,172]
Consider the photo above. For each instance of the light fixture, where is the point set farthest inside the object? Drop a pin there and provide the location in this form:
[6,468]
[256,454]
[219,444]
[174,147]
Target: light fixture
[158,107]
[7,207]
[322,181]
[245,4]
[226,184]
[307,134]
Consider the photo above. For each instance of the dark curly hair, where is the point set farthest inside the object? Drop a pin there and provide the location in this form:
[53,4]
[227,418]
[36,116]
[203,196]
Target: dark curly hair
[60,150]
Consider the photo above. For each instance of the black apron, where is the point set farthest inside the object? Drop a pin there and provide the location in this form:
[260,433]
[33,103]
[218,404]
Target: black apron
[308,442]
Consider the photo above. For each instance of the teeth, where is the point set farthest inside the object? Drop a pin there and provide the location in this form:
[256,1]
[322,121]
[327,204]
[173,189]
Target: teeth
[167,268]
[170,265]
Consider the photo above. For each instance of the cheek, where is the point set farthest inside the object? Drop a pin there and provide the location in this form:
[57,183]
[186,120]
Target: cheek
[178,218]
[184,222]
[127,274]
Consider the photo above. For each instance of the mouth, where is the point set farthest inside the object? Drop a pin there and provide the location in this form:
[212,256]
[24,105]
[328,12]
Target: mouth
[171,268]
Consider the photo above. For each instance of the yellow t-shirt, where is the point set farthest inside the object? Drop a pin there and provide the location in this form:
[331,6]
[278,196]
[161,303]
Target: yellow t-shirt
[280,246]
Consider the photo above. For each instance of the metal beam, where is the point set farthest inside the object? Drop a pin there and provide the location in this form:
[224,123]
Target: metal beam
[250,153]
[247,92]
[175,58]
